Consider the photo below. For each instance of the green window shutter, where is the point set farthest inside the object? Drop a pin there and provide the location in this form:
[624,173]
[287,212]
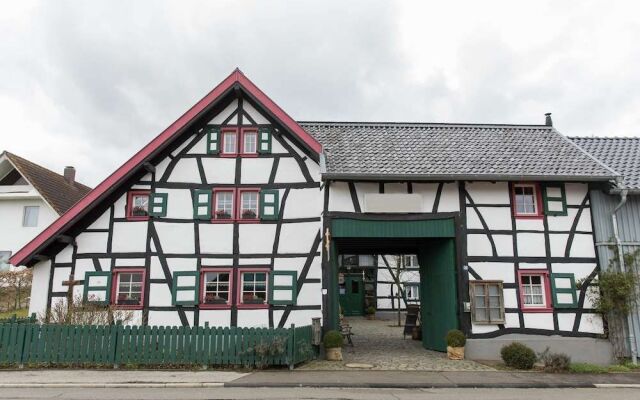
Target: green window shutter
[202,204]
[283,287]
[186,288]
[213,139]
[269,204]
[554,199]
[563,290]
[158,204]
[97,287]
[264,140]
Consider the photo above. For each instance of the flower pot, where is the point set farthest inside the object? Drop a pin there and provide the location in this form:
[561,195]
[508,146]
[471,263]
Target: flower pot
[334,354]
[371,316]
[455,353]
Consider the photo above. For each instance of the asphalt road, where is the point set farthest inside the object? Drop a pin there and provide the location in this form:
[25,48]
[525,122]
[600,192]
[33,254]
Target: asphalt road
[312,393]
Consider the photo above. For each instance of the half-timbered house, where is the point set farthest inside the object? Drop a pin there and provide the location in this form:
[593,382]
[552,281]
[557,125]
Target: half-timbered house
[237,215]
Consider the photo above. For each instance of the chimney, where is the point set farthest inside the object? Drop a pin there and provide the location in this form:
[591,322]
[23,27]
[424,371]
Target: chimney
[70,174]
[547,120]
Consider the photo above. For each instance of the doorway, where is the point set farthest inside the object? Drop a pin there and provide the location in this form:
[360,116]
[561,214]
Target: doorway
[352,295]
[431,237]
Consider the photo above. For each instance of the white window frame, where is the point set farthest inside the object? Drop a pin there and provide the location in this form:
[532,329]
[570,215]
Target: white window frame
[536,205]
[24,216]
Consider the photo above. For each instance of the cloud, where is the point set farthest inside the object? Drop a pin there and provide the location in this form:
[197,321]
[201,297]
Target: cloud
[90,83]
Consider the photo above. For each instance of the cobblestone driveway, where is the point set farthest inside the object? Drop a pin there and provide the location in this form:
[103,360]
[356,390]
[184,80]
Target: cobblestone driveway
[381,345]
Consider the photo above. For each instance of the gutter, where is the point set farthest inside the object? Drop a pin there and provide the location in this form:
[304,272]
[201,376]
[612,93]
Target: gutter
[468,177]
[616,235]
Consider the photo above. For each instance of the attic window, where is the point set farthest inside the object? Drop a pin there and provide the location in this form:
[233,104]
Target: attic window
[243,142]
[138,206]
[526,200]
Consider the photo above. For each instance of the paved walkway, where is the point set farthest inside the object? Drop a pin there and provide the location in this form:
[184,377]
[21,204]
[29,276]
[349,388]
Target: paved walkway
[380,344]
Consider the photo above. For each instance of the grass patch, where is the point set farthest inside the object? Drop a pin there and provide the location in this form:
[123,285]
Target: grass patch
[586,368]
[21,313]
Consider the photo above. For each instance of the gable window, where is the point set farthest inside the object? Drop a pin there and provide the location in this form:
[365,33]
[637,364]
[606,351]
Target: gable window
[487,303]
[216,288]
[30,216]
[253,288]
[129,288]
[248,204]
[534,290]
[223,204]
[249,142]
[230,142]
[138,206]
[4,260]
[526,200]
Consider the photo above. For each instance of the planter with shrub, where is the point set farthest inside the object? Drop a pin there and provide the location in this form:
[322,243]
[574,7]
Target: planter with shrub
[554,362]
[455,344]
[333,342]
[370,312]
[517,355]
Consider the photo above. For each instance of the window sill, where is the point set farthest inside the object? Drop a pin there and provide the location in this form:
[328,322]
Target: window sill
[536,309]
[130,218]
[528,216]
[203,306]
[242,155]
[252,306]
[128,307]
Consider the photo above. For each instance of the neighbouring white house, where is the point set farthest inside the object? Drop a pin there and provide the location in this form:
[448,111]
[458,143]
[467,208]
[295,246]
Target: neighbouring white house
[31,198]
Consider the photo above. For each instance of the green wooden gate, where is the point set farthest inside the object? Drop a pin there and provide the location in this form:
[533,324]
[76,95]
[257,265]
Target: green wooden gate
[438,293]
[352,300]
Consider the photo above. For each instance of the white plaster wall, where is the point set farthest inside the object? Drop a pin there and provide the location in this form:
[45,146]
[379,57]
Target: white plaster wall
[179,203]
[288,171]
[298,317]
[310,294]
[256,238]
[13,236]
[216,238]
[531,245]
[511,320]
[219,170]
[496,218]
[39,287]
[129,237]
[297,264]
[256,170]
[565,321]
[575,192]
[494,271]
[489,193]
[303,203]
[557,244]
[102,222]
[60,274]
[92,242]
[253,318]
[254,114]
[538,320]
[450,199]
[225,113]
[160,295]
[591,323]
[184,171]
[215,317]
[65,255]
[582,246]
[339,197]
[176,238]
[174,264]
[478,245]
[298,237]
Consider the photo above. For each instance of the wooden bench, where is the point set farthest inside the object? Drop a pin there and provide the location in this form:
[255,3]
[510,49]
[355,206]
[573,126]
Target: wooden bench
[345,330]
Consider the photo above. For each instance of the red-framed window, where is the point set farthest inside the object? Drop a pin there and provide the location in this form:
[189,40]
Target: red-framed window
[253,288]
[535,291]
[248,205]
[241,205]
[216,287]
[527,200]
[138,205]
[239,141]
[224,205]
[128,287]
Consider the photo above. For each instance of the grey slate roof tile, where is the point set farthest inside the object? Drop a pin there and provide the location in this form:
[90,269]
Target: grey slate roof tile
[440,150]
[620,153]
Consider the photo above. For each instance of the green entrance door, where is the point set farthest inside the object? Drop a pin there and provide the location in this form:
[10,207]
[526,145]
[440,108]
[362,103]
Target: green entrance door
[352,295]
[438,294]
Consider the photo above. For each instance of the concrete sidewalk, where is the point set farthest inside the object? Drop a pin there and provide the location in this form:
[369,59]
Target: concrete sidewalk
[432,379]
[46,378]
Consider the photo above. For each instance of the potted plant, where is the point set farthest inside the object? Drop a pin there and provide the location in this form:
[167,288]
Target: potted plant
[455,344]
[249,214]
[333,342]
[222,214]
[370,312]
[211,298]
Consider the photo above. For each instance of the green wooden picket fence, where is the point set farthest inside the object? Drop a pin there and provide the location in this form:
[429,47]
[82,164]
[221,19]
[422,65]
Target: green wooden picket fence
[14,319]
[30,343]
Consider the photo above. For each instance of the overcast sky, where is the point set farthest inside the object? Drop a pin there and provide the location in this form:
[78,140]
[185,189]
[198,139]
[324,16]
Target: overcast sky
[88,83]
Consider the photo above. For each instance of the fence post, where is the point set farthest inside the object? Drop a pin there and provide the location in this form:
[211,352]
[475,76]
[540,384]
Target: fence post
[292,347]
[115,337]
[23,346]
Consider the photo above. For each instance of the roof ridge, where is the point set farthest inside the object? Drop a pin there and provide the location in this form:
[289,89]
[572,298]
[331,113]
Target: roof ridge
[399,123]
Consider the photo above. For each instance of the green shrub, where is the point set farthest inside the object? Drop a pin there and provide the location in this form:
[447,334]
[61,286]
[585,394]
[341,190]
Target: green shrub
[370,310]
[332,340]
[554,362]
[618,368]
[517,355]
[456,338]
[586,368]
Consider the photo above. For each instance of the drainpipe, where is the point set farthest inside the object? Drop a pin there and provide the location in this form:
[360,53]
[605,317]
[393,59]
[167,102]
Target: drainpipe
[614,221]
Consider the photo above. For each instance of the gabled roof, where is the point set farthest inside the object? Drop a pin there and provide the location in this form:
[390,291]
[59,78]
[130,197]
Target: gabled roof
[53,187]
[620,153]
[452,151]
[236,80]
